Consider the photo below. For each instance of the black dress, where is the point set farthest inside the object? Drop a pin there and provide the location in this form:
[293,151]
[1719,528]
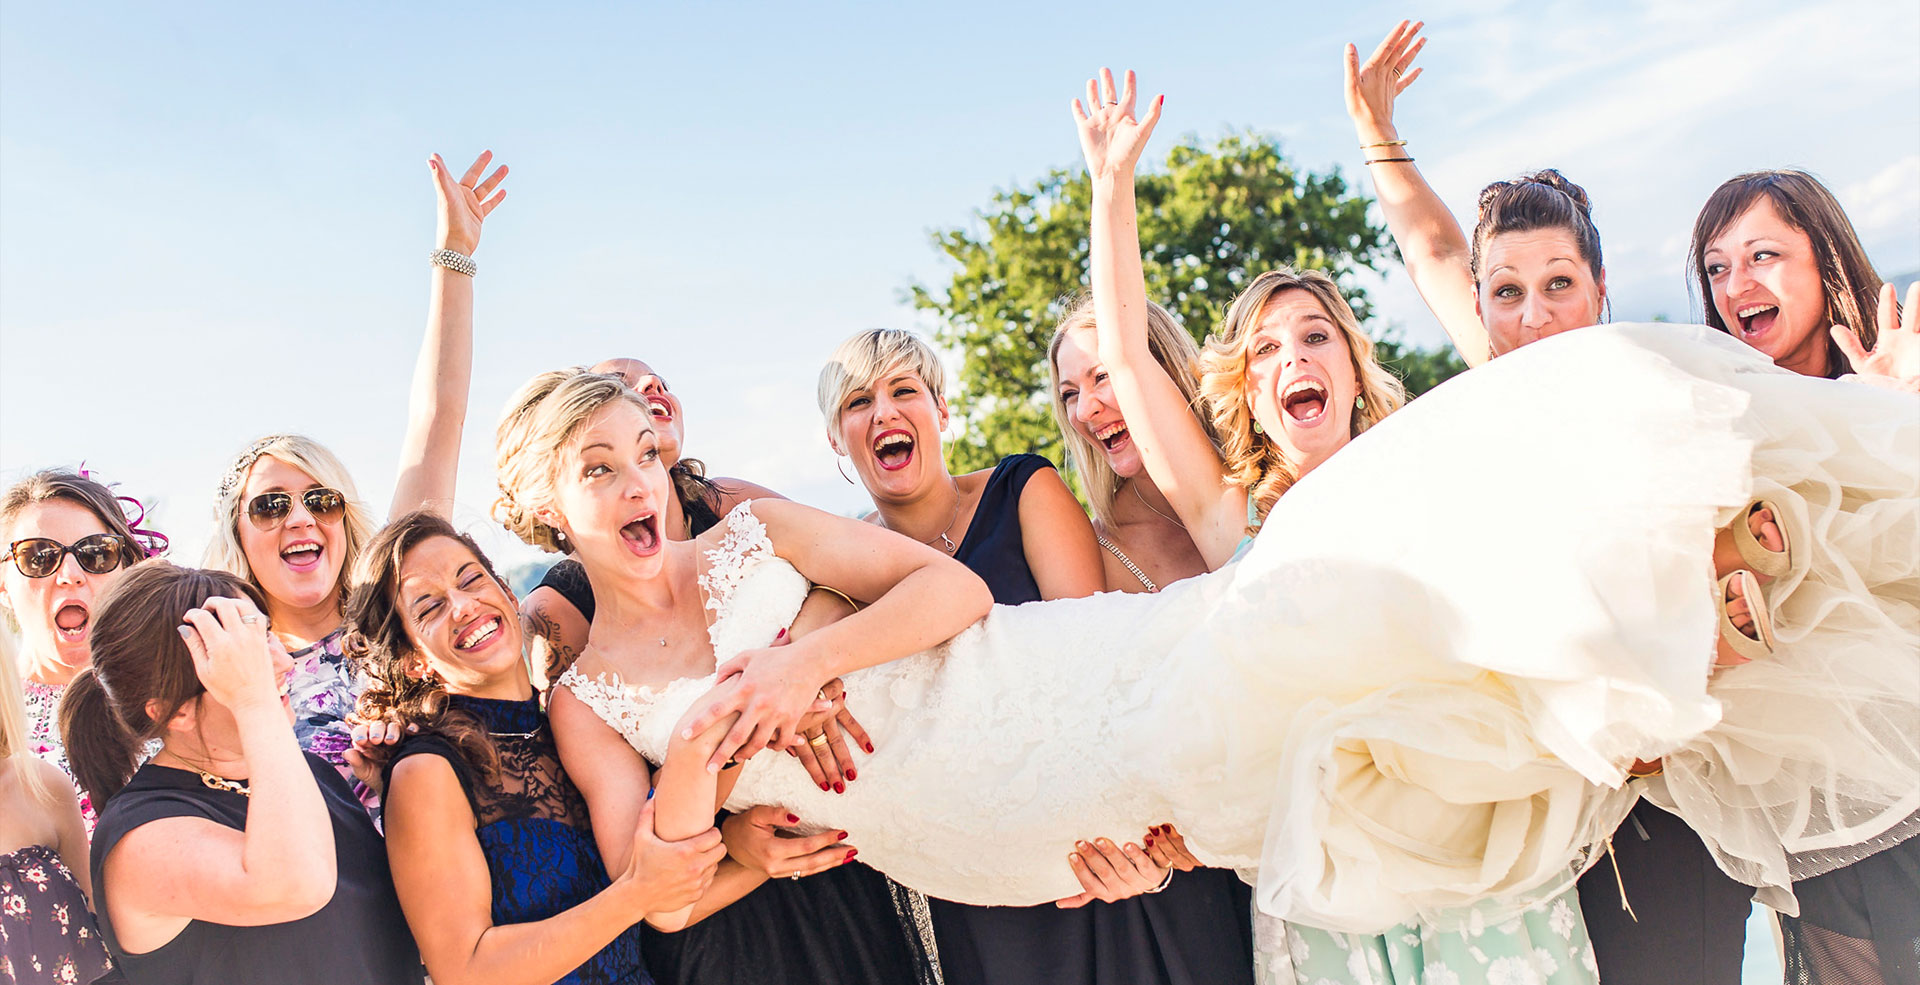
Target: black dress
[359,936]
[533,829]
[1197,932]
[849,925]
[1859,923]
[1692,918]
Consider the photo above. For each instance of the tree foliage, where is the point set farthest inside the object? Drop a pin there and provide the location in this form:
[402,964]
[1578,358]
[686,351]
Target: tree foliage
[1211,219]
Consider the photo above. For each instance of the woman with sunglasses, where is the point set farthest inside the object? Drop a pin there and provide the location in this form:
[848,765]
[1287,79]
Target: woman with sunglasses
[290,522]
[67,539]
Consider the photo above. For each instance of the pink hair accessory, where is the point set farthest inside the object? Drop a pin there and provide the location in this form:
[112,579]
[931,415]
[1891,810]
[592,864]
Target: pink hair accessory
[153,542]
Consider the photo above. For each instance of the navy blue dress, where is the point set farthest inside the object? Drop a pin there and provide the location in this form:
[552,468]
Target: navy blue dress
[1198,932]
[533,826]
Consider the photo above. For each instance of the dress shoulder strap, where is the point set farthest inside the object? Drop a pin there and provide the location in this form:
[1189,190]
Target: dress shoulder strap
[743,545]
[1128,562]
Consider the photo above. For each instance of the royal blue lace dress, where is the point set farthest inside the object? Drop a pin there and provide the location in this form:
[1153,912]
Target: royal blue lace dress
[532,824]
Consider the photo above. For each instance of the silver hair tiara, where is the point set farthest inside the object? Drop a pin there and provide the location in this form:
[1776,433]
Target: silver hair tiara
[238,470]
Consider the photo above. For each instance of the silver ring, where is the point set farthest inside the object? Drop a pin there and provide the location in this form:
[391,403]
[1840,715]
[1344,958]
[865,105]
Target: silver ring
[250,620]
[795,877]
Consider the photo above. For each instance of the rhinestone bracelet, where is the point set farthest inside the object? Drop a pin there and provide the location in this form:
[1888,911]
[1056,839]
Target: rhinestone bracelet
[459,263]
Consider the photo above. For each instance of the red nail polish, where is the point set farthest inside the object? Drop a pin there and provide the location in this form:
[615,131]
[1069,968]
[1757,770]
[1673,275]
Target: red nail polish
[1149,841]
[851,852]
[839,788]
[843,837]
[780,635]
[793,819]
[824,786]
[851,775]
[869,748]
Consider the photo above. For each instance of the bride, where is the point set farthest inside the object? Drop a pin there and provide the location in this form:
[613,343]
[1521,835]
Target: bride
[1418,690]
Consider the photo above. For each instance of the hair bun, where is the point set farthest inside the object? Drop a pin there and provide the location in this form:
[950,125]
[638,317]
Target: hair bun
[1552,178]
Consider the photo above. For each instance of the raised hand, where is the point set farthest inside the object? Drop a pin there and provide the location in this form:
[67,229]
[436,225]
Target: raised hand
[1110,137]
[1894,361]
[1372,88]
[465,202]
[232,652]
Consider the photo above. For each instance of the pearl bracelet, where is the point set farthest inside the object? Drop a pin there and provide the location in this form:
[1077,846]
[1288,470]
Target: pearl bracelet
[459,263]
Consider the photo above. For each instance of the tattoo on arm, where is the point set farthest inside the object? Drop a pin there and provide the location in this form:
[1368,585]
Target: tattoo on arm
[544,629]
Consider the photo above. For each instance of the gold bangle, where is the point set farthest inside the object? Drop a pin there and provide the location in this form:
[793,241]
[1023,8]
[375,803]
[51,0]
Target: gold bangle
[1659,767]
[1384,143]
[844,597]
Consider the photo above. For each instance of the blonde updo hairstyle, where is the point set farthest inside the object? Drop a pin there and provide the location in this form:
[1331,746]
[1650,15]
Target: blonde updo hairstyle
[1254,460]
[224,553]
[1170,346]
[867,356]
[540,419]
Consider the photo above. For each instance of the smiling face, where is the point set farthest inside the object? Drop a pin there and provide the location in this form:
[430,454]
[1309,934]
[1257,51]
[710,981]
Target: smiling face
[1088,399]
[55,612]
[669,428]
[890,428]
[1301,382]
[1767,288]
[1535,285]
[296,560]
[610,490]
[462,623]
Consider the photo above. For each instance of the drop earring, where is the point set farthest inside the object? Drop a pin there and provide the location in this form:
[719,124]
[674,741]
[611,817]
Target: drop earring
[1360,403]
[1257,429]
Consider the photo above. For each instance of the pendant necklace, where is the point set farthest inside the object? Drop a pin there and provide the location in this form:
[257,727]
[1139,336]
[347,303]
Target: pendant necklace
[1143,502]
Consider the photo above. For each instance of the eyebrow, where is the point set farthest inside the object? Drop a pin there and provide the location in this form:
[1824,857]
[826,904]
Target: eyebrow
[458,573]
[608,445]
[1509,266]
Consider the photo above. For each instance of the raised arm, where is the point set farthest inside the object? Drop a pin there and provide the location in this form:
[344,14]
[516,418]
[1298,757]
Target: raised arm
[918,597]
[1431,242]
[280,867]
[1172,444]
[437,406]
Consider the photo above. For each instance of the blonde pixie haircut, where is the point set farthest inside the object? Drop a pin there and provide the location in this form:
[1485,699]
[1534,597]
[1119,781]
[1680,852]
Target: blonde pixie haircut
[1170,346]
[307,455]
[1253,460]
[865,357]
[540,419]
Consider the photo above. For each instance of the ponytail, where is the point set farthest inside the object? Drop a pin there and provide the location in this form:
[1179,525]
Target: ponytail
[100,749]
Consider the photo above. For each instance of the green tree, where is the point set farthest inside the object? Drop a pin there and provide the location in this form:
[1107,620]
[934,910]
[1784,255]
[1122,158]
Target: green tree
[1211,219]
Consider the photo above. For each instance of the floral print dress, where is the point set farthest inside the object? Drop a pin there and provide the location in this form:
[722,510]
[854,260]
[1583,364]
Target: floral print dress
[47,937]
[43,735]
[323,693]
[1545,945]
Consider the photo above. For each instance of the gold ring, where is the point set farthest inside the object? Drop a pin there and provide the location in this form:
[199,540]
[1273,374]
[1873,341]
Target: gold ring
[822,695]
[818,740]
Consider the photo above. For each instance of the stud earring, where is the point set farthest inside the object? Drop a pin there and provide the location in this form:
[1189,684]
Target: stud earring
[1257,429]
[1360,403]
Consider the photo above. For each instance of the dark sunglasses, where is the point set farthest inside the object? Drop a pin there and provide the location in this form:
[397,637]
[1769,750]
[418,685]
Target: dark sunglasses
[267,509]
[39,557]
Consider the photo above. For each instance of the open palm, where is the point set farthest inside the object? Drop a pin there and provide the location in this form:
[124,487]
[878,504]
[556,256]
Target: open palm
[1110,137]
[466,202]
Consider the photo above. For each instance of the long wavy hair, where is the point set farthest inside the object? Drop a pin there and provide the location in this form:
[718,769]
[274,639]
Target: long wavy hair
[1254,460]
[377,641]
[1170,346]
[13,723]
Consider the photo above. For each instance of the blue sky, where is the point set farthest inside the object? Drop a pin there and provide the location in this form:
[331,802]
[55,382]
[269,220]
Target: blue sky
[213,217]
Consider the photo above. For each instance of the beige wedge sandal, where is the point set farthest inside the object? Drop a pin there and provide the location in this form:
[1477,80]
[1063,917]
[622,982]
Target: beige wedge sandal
[1772,564]
[1745,648]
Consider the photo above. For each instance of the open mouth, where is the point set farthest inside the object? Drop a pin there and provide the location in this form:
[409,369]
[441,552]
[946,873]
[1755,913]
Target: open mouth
[1305,400]
[894,450]
[302,555]
[660,408]
[1114,436]
[71,620]
[1756,319]
[479,634]
[642,535]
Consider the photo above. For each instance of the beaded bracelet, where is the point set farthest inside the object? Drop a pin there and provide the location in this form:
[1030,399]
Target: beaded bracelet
[459,263]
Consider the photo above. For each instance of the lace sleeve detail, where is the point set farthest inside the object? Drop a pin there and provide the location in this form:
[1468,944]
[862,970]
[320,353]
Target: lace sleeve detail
[744,545]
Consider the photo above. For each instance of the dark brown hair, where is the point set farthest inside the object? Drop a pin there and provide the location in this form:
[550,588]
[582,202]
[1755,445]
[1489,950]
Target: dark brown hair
[1543,199]
[138,658]
[88,493]
[377,641]
[1846,276]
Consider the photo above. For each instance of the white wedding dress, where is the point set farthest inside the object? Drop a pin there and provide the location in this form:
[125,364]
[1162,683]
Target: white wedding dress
[1416,693]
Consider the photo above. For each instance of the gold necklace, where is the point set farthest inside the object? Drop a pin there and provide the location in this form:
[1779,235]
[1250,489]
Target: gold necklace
[1143,502]
[212,781]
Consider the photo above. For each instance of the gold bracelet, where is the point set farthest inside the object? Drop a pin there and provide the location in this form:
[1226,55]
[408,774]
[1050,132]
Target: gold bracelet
[844,597]
[1384,143]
